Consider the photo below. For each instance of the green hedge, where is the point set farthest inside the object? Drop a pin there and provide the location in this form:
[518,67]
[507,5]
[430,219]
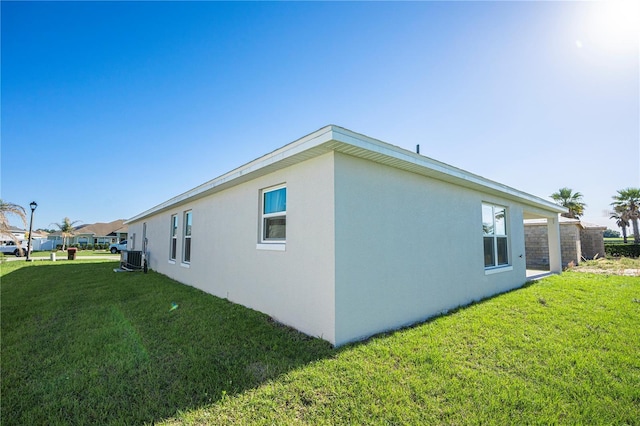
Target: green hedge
[626,250]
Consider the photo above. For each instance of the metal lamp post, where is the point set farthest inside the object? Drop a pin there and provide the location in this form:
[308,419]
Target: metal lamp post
[33,206]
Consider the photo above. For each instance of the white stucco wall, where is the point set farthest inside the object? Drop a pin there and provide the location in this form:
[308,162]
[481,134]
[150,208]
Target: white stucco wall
[409,247]
[295,286]
[369,247]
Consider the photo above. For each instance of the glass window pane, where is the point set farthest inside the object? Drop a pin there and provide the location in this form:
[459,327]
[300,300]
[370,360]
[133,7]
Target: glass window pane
[503,257]
[487,219]
[187,249]
[489,259]
[275,201]
[500,221]
[275,228]
[187,224]
[174,243]
[174,226]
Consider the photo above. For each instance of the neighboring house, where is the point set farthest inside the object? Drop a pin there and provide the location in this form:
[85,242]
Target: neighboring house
[95,233]
[578,240]
[38,239]
[342,236]
[18,234]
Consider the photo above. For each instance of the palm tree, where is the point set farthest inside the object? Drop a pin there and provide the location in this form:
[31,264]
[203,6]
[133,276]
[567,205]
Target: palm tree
[66,229]
[571,200]
[629,199]
[5,229]
[621,216]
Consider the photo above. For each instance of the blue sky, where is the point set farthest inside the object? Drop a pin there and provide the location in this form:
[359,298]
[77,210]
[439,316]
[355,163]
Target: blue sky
[110,108]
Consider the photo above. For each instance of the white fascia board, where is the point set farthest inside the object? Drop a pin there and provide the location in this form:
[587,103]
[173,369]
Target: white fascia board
[312,140]
[443,171]
[333,137]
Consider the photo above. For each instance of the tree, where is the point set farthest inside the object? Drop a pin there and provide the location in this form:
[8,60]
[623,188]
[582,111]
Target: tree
[66,229]
[5,228]
[621,216]
[610,233]
[571,200]
[48,231]
[628,201]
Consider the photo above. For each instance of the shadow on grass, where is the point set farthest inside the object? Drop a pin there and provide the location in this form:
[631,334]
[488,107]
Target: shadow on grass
[83,344]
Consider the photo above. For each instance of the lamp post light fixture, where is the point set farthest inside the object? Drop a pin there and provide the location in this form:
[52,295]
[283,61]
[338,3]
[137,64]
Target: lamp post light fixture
[33,206]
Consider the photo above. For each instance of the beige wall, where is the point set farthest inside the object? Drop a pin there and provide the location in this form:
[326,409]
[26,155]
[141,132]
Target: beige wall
[369,248]
[409,247]
[295,286]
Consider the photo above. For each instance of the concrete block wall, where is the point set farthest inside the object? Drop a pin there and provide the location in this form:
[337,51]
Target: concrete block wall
[537,245]
[592,241]
[571,248]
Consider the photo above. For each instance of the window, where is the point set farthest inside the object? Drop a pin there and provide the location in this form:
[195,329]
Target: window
[494,229]
[274,215]
[144,237]
[186,251]
[173,244]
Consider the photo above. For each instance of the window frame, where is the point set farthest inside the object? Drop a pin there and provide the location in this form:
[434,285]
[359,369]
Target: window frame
[187,218]
[263,241]
[173,237]
[498,251]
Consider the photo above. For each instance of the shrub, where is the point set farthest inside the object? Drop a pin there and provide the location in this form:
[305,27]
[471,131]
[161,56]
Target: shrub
[89,247]
[626,250]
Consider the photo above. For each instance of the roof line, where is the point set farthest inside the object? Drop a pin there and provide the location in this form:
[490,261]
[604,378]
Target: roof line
[336,138]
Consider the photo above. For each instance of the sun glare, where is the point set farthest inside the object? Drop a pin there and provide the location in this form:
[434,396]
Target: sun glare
[616,23]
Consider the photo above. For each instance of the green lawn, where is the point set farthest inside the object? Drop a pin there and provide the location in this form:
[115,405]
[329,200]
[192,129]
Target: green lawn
[60,254]
[82,344]
[618,240]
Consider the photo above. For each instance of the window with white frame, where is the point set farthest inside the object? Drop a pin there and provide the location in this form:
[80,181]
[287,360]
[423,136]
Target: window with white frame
[186,243]
[496,240]
[144,237]
[274,215]
[173,243]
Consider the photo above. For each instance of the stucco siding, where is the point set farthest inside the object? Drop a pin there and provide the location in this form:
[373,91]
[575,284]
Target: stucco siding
[409,247]
[295,286]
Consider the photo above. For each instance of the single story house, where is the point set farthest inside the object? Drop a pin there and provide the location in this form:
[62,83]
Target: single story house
[95,233]
[578,240]
[342,236]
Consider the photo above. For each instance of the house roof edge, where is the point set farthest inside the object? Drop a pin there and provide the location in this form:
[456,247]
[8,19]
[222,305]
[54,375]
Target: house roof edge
[337,138]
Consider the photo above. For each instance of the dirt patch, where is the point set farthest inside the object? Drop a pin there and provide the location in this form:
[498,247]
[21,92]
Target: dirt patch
[612,271]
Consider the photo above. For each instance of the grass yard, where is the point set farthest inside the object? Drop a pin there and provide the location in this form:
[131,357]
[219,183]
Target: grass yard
[615,265]
[618,240]
[60,254]
[82,344]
